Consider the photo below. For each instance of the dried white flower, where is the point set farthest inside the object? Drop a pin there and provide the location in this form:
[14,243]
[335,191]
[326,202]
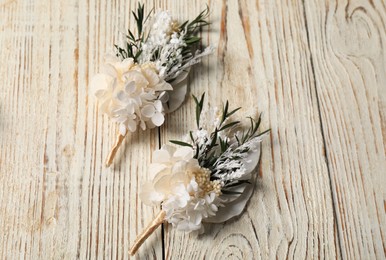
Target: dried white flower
[179,184]
[189,215]
[128,93]
[209,179]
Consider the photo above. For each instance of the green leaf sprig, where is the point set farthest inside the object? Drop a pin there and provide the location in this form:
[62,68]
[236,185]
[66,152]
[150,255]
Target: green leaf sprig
[133,48]
[215,150]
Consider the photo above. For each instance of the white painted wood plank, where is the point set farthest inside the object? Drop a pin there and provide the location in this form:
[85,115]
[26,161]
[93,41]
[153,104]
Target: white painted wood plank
[291,61]
[57,199]
[348,42]
[263,64]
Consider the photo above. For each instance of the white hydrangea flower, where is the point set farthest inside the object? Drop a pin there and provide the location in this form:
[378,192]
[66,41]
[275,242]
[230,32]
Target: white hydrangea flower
[128,93]
[175,186]
[189,215]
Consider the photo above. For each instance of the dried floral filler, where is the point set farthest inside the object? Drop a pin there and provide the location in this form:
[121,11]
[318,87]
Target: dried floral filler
[145,79]
[209,178]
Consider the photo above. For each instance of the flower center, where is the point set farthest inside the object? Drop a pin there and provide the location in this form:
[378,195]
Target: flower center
[202,178]
[174,27]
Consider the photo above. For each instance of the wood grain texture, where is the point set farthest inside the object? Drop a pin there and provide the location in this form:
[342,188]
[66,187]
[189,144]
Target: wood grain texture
[58,201]
[348,43]
[317,71]
[263,64]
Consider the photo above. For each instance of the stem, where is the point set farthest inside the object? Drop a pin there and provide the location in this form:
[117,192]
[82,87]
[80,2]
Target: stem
[114,149]
[157,221]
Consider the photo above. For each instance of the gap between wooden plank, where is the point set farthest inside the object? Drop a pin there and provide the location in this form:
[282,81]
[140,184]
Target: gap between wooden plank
[163,225]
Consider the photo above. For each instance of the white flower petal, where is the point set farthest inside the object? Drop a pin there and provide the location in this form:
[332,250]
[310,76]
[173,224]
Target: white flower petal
[122,129]
[130,108]
[100,82]
[170,149]
[158,119]
[148,96]
[179,175]
[100,93]
[185,153]
[163,184]
[142,124]
[148,111]
[124,66]
[131,125]
[158,105]
[160,175]
[162,86]
[156,168]
[151,76]
[122,96]
[104,106]
[130,87]
[149,196]
[127,63]
[140,80]
[109,69]
[161,156]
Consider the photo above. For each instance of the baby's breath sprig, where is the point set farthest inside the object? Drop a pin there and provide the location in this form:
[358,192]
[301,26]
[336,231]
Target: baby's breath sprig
[173,57]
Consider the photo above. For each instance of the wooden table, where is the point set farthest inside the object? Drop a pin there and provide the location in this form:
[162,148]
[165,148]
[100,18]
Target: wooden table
[317,71]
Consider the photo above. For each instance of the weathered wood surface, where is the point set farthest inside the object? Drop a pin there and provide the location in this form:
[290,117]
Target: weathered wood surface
[317,71]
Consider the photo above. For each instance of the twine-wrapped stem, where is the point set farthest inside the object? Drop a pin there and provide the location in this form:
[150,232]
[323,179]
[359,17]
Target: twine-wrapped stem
[114,149]
[157,221]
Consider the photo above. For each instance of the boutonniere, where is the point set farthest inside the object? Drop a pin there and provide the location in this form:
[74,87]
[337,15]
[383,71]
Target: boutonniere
[144,80]
[208,178]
